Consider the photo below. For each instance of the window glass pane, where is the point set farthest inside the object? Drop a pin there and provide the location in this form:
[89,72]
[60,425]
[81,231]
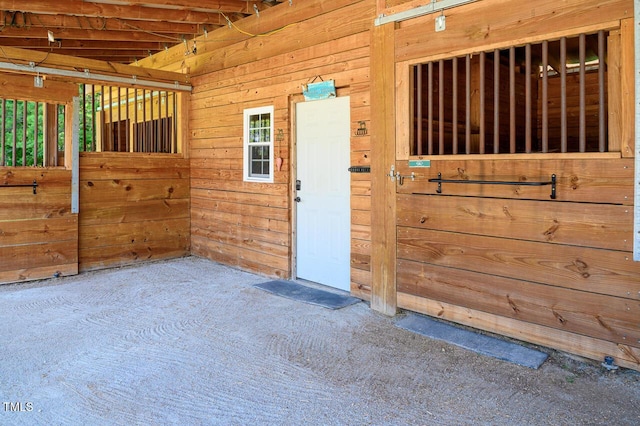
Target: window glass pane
[259,152]
[256,152]
[256,167]
[254,121]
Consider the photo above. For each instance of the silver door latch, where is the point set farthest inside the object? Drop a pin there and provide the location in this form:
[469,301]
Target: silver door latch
[392,173]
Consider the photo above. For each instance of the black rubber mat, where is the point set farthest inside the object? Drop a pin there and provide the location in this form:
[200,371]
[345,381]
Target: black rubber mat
[314,296]
[480,343]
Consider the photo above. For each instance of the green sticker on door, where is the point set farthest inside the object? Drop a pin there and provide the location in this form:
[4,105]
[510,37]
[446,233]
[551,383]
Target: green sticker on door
[419,163]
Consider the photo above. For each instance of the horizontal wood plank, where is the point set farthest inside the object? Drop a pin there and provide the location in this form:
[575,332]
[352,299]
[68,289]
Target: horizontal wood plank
[603,317]
[134,190]
[124,166]
[251,223]
[92,258]
[589,180]
[47,254]
[486,25]
[604,272]
[38,273]
[96,213]
[258,262]
[266,212]
[107,234]
[239,238]
[34,231]
[604,226]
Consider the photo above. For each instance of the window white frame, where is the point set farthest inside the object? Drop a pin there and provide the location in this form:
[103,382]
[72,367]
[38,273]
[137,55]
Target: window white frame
[258,138]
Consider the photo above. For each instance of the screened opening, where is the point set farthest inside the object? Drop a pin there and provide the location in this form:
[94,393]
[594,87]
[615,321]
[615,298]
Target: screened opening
[547,97]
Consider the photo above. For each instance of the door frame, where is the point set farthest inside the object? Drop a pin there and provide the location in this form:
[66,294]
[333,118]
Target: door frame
[293,156]
[293,164]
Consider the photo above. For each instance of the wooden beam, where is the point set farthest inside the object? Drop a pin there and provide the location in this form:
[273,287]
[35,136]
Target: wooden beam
[62,34]
[383,189]
[271,20]
[121,11]
[52,60]
[102,55]
[214,6]
[30,21]
[84,45]
[21,87]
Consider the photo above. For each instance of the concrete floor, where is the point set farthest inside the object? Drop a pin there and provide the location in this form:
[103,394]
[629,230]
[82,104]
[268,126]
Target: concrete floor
[191,342]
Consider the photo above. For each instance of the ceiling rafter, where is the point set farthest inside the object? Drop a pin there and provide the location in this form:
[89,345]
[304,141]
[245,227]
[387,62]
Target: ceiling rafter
[124,11]
[29,20]
[122,30]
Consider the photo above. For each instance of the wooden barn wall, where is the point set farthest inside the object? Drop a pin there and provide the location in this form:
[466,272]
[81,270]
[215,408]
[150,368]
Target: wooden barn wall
[248,224]
[133,208]
[38,232]
[508,259]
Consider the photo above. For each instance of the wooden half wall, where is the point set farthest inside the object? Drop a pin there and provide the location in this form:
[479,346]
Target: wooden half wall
[38,232]
[133,207]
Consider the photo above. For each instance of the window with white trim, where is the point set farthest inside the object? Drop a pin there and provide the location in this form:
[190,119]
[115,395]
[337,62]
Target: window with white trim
[258,144]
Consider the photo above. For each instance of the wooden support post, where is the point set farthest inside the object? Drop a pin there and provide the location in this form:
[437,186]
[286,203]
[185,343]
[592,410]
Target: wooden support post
[181,120]
[50,135]
[627,86]
[383,193]
[68,134]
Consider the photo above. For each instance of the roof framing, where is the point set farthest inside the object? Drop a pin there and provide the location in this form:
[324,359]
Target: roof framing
[120,31]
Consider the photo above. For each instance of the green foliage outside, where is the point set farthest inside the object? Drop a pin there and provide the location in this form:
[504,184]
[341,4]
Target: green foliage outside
[18,149]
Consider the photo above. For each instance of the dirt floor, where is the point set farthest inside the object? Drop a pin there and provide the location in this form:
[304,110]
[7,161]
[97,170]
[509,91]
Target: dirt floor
[191,342]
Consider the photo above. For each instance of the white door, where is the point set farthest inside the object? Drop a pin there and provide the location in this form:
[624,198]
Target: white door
[323,211]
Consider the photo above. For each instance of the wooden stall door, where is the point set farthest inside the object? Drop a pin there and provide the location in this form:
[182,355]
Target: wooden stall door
[38,232]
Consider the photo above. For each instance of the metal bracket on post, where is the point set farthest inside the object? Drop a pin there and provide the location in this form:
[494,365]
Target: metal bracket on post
[392,173]
[75,157]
